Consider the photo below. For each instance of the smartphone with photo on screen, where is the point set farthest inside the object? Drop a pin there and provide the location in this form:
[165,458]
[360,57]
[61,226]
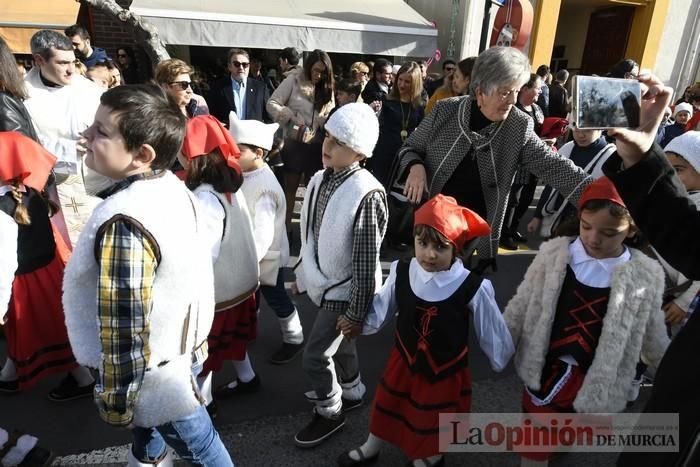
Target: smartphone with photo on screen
[599,103]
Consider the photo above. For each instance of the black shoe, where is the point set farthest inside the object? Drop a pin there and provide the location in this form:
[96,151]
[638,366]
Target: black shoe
[38,457]
[286,353]
[212,410]
[351,404]
[318,430]
[223,391]
[69,390]
[518,237]
[344,460]
[9,387]
[507,243]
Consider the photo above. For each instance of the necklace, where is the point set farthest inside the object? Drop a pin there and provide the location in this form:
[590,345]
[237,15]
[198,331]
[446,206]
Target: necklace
[404,123]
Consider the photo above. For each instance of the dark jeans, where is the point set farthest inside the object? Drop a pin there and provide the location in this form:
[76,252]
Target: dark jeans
[277,297]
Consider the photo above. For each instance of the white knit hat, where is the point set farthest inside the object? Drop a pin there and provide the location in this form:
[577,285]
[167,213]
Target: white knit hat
[356,126]
[683,107]
[252,132]
[687,146]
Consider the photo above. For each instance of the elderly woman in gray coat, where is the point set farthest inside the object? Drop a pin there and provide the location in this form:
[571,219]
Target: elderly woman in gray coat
[471,147]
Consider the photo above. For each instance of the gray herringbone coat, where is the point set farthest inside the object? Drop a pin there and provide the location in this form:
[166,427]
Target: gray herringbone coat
[443,139]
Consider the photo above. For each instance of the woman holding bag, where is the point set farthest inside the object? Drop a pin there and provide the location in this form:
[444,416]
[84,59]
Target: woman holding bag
[301,105]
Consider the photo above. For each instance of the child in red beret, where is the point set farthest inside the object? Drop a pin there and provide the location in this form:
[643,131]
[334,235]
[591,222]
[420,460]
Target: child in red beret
[428,366]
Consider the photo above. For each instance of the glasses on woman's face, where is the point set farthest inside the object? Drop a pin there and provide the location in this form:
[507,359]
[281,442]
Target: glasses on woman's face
[122,55]
[505,95]
[238,64]
[183,84]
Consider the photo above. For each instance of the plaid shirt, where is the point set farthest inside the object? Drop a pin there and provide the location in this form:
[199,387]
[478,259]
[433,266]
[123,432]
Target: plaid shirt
[127,266]
[369,230]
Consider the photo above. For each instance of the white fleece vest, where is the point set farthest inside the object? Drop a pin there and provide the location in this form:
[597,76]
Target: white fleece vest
[633,325]
[236,268]
[327,275]
[182,295]
[262,182]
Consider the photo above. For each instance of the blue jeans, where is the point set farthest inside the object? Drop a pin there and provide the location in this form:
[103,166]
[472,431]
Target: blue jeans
[193,438]
[277,297]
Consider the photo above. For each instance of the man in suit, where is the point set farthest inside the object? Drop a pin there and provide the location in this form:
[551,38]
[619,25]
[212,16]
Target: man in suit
[377,89]
[559,96]
[238,92]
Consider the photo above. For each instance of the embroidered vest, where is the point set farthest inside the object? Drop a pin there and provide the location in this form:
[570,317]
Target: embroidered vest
[579,320]
[35,243]
[433,337]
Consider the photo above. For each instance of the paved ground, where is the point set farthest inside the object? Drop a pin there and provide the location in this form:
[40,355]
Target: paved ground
[258,429]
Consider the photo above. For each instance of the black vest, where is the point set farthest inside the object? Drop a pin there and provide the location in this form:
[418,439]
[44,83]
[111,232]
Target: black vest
[433,337]
[578,321]
[35,243]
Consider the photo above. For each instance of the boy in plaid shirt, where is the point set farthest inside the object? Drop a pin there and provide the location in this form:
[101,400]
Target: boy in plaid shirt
[343,222]
[139,289]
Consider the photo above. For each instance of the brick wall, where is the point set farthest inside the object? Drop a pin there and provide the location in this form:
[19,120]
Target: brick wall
[108,33]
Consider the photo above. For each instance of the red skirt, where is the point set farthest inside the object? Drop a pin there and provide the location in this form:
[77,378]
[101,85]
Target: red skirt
[407,406]
[556,395]
[231,331]
[37,340]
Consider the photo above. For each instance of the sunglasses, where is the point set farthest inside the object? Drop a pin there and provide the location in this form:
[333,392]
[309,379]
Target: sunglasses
[122,56]
[183,84]
[240,64]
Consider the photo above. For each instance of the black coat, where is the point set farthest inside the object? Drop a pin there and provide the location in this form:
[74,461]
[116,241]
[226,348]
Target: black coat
[14,116]
[373,92]
[660,207]
[558,96]
[220,100]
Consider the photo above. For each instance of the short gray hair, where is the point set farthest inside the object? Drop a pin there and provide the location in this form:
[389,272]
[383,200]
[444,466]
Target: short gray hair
[562,76]
[43,41]
[499,67]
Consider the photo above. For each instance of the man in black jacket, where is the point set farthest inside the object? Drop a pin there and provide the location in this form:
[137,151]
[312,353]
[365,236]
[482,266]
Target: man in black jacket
[559,96]
[377,89]
[238,92]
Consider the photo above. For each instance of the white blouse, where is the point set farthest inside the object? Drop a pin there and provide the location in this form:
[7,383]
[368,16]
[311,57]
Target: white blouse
[213,217]
[591,271]
[489,325]
[8,259]
[264,220]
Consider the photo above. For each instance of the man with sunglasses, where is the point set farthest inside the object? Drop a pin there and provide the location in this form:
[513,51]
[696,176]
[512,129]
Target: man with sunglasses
[238,92]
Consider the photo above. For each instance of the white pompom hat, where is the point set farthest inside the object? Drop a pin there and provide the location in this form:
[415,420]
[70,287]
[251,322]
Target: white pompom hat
[683,107]
[252,132]
[687,146]
[356,126]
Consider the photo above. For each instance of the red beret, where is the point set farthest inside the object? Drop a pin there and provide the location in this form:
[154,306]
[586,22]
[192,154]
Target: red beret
[204,134]
[458,224]
[602,188]
[25,160]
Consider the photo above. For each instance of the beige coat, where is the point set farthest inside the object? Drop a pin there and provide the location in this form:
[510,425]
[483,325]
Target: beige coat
[633,324]
[295,98]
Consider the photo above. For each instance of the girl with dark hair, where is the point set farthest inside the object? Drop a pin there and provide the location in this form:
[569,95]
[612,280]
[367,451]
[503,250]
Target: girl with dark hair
[13,114]
[301,105]
[210,157]
[37,340]
[586,310]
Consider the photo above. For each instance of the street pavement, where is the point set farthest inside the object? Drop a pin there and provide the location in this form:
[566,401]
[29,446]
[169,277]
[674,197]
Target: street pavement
[258,429]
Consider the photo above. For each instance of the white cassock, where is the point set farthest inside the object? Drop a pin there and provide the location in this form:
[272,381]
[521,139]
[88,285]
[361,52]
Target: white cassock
[60,115]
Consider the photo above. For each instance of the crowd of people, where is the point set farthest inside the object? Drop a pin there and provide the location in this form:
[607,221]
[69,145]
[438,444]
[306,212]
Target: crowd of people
[141,226]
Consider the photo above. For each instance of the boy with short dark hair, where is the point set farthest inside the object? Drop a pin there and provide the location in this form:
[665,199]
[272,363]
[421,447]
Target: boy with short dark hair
[139,287]
[343,222]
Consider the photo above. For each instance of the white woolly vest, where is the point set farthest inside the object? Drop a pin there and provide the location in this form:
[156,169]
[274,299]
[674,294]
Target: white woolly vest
[182,296]
[263,181]
[236,267]
[326,269]
[633,325]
